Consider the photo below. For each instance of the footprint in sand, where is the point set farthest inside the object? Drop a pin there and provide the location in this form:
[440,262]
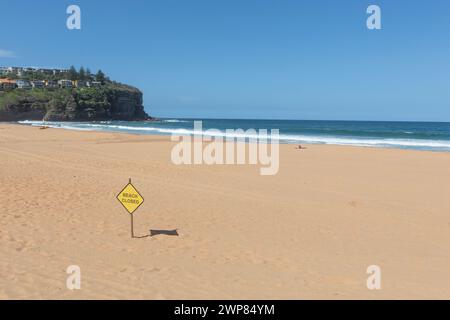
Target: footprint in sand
[22,246]
[353,204]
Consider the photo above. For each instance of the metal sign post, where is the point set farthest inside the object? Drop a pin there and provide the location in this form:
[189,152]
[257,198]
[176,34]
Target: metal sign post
[131,200]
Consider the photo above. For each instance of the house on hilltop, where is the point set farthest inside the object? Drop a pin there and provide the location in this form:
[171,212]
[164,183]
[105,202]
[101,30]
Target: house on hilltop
[38,84]
[95,84]
[51,84]
[3,71]
[81,84]
[20,71]
[23,84]
[7,84]
[65,83]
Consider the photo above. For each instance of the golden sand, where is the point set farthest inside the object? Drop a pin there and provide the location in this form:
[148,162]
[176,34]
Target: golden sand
[310,231]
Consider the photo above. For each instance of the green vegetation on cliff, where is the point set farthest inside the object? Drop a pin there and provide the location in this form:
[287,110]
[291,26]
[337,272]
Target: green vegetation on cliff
[111,101]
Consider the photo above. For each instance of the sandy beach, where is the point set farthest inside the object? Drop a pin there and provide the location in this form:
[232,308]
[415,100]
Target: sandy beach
[308,232]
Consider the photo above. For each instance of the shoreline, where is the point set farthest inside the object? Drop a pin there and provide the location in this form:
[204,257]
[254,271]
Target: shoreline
[308,232]
[281,142]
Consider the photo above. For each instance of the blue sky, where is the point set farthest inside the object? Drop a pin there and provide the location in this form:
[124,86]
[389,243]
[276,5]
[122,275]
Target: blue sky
[283,59]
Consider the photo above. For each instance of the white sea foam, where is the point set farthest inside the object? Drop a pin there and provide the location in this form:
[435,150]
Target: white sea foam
[284,138]
[31,122]
[174,121]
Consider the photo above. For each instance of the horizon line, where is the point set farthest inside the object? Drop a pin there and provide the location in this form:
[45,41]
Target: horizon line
[279,119]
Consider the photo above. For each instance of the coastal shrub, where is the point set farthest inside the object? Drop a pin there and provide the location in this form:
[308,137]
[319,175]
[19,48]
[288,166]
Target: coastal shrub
[111,100]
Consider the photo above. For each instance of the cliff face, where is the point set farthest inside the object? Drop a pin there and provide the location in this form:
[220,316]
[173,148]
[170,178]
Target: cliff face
[111,102]
[127,105]
[25,110]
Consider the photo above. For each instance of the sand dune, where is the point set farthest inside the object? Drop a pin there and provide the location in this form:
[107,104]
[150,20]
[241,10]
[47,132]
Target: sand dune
[310,231]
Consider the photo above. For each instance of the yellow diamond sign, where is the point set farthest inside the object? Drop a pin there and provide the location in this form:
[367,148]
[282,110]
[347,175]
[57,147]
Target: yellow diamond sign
[130,198]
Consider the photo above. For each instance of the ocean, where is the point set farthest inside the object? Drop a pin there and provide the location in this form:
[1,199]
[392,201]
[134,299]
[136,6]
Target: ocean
[432,136]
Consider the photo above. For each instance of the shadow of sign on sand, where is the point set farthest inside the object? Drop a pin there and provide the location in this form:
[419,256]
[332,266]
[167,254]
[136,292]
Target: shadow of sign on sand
[164,232]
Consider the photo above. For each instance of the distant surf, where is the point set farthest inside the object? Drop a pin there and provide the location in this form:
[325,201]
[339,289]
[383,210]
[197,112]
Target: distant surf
[433,136]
